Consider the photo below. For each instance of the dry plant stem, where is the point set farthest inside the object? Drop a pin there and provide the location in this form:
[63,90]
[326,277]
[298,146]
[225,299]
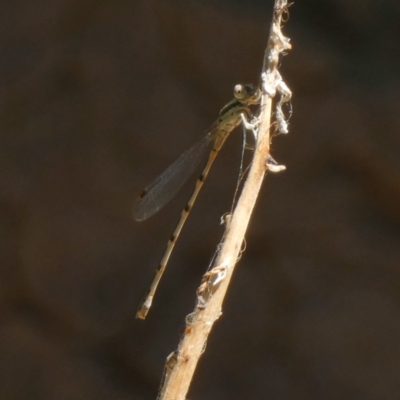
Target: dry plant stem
[193,342]
[178,377]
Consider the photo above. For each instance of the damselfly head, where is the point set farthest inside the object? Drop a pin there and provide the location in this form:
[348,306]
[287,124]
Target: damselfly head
[247,93]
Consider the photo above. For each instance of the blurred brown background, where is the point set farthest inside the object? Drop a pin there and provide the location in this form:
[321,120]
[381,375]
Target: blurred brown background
[97,98]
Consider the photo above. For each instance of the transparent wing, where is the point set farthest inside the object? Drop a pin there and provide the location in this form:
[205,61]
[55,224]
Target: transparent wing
[164,188]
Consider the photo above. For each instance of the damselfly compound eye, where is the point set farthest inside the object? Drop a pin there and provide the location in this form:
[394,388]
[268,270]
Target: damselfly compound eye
[239,92]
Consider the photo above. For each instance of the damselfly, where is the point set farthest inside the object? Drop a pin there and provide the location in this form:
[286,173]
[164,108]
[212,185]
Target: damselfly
[157,194]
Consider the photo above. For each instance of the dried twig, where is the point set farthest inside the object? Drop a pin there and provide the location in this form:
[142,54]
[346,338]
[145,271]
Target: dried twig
[181,364]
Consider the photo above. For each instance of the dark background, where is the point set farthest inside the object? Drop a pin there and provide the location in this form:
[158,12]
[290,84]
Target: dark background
[97,98]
